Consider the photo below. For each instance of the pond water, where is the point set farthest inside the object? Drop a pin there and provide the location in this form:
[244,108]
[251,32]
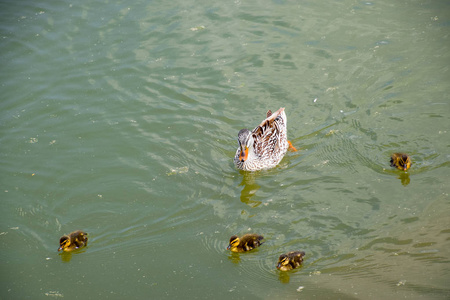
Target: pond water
[120,118]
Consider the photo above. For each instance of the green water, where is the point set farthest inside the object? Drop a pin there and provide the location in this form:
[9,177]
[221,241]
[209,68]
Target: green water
[120,118]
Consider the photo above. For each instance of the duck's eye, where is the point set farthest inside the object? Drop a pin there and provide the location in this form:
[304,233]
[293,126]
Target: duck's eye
[285,261]
[235,242]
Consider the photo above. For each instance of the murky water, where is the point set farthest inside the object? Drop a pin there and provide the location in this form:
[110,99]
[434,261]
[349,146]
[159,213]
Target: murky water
[121,119]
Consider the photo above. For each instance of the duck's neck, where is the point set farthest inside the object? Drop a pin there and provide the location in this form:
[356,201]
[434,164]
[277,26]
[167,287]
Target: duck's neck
[251,151]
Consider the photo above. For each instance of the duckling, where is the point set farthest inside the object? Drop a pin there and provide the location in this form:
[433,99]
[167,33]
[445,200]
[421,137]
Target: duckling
[290,260]
[401,161]
[245,243]
[73,241]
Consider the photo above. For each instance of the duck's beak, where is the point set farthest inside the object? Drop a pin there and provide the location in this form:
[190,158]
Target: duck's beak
[60,248]
[244,154]
[279,265]
[405,167]
[229,247]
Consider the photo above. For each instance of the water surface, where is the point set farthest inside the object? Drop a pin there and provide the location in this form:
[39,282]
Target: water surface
[121,119]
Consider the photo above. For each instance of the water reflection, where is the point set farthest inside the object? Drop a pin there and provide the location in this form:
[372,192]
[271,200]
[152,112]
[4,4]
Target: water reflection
[404,178]
[234,257]
[284,277]
[250,188]
[67,256]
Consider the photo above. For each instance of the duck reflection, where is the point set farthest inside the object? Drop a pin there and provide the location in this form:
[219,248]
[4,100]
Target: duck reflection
[284,277]
[234,257]
[249,190]
[404,178]
[66,256]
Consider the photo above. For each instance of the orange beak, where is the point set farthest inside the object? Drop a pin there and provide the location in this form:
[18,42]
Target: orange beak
[243,155]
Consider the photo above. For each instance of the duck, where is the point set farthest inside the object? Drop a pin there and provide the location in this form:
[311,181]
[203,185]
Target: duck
[264,146]
[401,161]
[245,243]
[73,241]
[290,260]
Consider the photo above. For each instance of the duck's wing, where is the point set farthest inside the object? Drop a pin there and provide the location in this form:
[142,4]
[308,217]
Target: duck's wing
[271,116]
[298,257]
[266,135]
[256,241]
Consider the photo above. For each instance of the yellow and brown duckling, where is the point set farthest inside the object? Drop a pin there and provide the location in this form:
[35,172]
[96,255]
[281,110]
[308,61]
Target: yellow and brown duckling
[73,241]
[290,260]
[245,243]
[401,161]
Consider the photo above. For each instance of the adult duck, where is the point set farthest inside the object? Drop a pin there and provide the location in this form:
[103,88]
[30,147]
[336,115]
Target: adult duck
[264,146]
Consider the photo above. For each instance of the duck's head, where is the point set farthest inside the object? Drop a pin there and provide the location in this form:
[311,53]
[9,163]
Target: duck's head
[404,162]
[245,140]
[234,242]
[64,243]
[283,260]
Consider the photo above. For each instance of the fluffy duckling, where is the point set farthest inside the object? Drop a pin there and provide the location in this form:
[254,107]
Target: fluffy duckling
[290,260]
[245,243]
[401,161]
[73,241]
